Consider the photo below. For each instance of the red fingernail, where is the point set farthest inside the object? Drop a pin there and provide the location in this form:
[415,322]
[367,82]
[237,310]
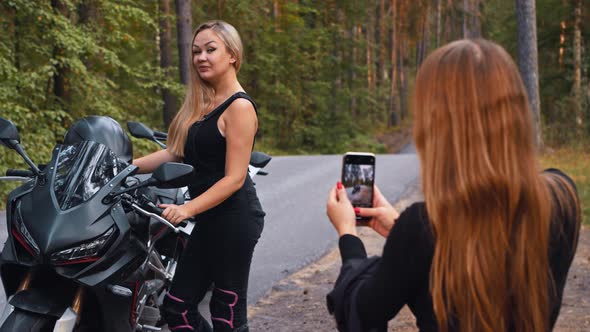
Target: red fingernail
[357,210]
[339,185]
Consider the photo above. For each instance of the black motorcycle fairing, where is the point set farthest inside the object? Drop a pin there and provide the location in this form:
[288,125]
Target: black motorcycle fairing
[85,221]
[11,273]
[91,218]
[52,294]
[55,229]
[45,301]
[104,130]
[122,253]
[10,251]
[81,170]
[115,306]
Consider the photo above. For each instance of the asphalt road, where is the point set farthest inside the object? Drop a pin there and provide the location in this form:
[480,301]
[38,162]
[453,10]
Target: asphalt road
[294,194]
[297,231]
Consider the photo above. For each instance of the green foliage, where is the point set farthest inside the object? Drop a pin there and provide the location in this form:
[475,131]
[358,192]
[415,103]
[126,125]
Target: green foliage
[311,66]
[108,63]
[291,67]
[555,19]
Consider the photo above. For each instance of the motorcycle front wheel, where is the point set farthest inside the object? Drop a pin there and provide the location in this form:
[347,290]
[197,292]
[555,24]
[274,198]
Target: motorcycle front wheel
[20,320]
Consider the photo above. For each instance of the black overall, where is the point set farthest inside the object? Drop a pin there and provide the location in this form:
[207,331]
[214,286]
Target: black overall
[220,247]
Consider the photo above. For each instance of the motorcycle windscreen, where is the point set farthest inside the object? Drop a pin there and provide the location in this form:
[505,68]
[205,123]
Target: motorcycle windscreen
[81,170]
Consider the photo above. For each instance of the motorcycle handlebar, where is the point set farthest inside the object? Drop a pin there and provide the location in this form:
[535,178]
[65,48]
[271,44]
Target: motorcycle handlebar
[157,210]
[160,135]
[155,216]
[19,172]
[150,207]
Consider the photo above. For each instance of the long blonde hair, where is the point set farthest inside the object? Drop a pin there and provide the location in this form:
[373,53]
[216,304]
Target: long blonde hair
[199,94]
[487,202]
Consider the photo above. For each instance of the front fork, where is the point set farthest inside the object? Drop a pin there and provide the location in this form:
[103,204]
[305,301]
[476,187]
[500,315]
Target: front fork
[71,316]
[68,320]
[9,308]
[26,282]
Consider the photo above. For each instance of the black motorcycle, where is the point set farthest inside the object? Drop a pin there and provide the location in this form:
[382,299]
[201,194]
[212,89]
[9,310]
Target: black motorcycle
[87,249]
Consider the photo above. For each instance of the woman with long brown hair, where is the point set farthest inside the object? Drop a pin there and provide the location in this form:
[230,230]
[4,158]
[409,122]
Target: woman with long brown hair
[490,248]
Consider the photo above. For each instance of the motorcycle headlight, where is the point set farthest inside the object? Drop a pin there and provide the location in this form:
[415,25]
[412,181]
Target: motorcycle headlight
[21,233]
[84,253]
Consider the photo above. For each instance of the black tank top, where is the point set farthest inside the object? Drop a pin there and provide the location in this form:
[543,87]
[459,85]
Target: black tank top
[205,148]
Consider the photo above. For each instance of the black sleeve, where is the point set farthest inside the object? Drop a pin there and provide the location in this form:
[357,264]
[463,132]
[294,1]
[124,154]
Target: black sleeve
[351,247]
[562,175]
[565,225]
[341,301]
[395,278]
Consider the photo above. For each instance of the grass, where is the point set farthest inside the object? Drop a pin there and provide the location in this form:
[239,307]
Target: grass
[575,162]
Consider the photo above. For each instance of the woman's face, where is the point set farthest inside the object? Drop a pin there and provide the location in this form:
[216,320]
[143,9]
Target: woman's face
[210,56]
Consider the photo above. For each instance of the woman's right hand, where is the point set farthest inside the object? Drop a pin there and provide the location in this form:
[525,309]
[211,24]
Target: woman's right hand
[382,214]
[340,211]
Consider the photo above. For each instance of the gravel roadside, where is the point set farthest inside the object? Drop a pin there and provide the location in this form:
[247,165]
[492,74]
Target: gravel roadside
[298,302]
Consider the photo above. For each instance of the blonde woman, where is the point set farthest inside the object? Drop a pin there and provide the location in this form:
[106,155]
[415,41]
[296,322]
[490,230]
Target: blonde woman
[491,246]
[214,132]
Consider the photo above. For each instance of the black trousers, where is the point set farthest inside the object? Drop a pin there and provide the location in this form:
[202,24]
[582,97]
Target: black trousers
[219,251]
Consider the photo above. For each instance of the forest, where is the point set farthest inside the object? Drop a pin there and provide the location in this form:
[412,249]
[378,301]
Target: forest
[328,76]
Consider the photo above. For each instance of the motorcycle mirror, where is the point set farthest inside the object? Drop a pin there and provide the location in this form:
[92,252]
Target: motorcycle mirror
[8,133]
[139,130]
[10,139]
[259,159]
[172,175]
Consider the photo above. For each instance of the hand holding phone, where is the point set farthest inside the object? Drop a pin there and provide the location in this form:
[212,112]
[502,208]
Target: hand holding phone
[358,178]
[382,215]
[340,211]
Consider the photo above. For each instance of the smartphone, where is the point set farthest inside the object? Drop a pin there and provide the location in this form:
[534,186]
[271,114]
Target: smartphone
[358,178]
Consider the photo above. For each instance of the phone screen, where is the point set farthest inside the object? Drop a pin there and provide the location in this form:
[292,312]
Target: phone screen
[358,177]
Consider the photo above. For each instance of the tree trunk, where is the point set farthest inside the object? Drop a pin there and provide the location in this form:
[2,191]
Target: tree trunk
[337,51]
[87,12]
[422,44]
[561,43]
[402,56]
[466,19]
[169,109]
[184,38]
[471,25]
[15,26]
[475,22]
[60,87]
[252,57]
[403,75]
[438,23]
[220,8]
[587,102]
[369,62]
[369,39]
[276,11]
[528,58]
[353,100]
[380,42]
[393,95]
[577,84]
[452,28]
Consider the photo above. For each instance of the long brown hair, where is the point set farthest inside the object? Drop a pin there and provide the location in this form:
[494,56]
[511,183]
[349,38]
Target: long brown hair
[199,94]
[487,201]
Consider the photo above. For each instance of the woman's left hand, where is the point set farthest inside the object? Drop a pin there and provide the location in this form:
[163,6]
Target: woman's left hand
[174,213]
[340,211]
